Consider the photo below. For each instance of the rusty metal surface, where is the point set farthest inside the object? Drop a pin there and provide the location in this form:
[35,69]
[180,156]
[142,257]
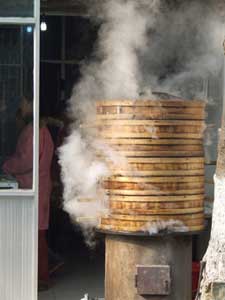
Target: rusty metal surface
[125,253]
[153,280]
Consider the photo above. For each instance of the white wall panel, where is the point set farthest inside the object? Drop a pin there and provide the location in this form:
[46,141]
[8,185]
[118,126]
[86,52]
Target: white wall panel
[17,248]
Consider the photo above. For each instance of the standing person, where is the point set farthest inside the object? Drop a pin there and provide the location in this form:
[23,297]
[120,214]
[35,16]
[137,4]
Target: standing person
[20,165]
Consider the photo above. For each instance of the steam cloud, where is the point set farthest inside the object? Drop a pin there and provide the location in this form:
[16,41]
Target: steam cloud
[143,45]
[165,226]
[185,48]
[115,73]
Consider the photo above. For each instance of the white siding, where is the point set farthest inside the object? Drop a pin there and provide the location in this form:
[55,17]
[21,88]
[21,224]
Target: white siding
[17,249]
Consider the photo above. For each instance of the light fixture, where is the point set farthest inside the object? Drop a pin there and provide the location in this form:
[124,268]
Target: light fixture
[29,29]
[43,26]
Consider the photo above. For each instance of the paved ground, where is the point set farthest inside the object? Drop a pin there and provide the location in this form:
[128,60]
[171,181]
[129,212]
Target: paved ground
[78,276]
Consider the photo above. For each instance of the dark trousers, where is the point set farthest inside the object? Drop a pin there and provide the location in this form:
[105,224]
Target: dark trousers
[43,272]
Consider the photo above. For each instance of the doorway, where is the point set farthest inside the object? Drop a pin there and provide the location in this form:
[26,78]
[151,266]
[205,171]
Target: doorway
[75,268]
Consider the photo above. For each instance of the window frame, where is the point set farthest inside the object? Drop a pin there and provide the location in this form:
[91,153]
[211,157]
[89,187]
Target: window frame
[35,21]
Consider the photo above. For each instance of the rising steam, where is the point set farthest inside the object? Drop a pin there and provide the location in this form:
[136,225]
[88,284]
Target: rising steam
[143,45]
[115,73]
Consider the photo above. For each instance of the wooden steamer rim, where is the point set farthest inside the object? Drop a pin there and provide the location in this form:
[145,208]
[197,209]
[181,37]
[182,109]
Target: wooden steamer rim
[126,205]
[150,109]
[152,148]
[155,103]
[158,187]
[149,208]
[151,179]
[155,192]
[146,167]
[159,135]
[169,160]
[194,222]
[147,123]
[156,199]
[140,150]
[141,230]
[152,212]
[158,182]
[181,217]
[148,141]
[148,129]
[161,153]
[140,173]
[151,116]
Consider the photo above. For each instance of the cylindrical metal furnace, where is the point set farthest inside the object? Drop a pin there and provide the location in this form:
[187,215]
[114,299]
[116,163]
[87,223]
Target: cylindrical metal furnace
[156,268]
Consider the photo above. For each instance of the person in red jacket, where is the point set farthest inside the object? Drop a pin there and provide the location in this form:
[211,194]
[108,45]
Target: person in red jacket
[20,165]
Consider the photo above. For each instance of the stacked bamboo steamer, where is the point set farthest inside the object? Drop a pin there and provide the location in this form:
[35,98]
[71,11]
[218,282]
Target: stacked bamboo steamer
[162,176]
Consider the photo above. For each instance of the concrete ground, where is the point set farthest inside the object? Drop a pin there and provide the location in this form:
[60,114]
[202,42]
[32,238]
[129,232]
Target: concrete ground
[83,270]
[79,276]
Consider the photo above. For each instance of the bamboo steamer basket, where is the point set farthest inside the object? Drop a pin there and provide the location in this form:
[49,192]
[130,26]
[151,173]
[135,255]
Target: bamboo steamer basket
[147,147]
[193,222]
[162,175]
[147,110]
[142,166]
[149,129]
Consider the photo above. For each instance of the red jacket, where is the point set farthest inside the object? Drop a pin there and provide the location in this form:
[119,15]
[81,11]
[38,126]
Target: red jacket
[20,165]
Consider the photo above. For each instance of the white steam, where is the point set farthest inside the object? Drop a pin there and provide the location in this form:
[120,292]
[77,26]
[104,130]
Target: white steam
[81,173]
[143,45]
[184,49]
[158,227]
[115,72]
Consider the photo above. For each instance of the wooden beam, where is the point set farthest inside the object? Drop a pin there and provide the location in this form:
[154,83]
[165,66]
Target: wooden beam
[65,7]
